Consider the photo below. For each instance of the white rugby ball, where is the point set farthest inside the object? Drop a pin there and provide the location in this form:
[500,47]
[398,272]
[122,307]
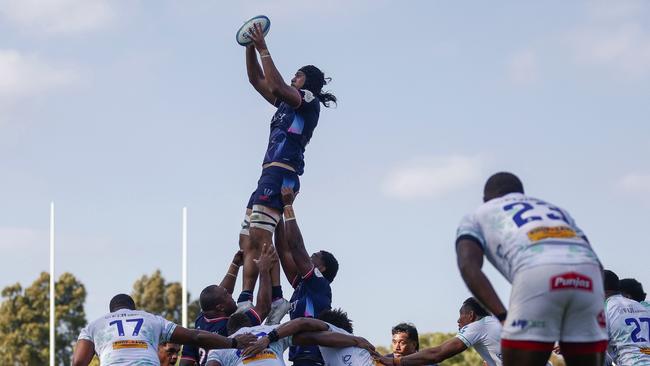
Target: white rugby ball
[242,33]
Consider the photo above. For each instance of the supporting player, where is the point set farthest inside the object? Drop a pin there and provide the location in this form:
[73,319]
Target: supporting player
[168,353]
[476,329]
[628,326]
[309,276]
[339,346]
[292,127]
[217,304]
[557,292]
[128,336]
[405,340]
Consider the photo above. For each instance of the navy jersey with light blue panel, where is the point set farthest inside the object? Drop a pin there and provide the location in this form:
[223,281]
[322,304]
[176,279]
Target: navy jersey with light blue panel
[214,325]
[312,294]
[291,130]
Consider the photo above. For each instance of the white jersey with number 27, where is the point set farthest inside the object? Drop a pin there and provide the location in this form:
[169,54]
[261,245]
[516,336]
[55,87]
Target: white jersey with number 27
[517,232]
[628,327]
[128,337]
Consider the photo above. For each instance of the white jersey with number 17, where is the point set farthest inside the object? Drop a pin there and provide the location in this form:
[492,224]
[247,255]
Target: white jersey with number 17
[128,337]
[518,232]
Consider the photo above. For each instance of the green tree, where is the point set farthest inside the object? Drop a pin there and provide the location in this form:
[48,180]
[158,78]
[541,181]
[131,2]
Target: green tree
[467,358]
[24,320]
[153,294]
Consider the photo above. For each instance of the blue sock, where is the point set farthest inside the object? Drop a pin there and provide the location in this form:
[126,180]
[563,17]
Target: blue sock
[245,295]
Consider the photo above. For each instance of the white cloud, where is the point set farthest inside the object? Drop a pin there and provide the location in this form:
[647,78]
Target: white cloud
[57,16]
[523,69]
[623,48]
[25,75]
[432,177]
[635,183]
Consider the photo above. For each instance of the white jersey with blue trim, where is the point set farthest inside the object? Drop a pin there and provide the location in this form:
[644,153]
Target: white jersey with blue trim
[271,356]
[628,327]
[485,336]
[128,337]
[345,356]
[517,232]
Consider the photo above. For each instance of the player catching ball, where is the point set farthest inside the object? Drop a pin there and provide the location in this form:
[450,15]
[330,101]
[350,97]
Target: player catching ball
[292,127]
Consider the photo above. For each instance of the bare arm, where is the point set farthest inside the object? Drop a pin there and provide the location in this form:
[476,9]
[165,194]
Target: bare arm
[256,76]
[285,330]
[208,340]
[331,339]
[294,236]
[230,278]
[284,253]
[264,264]
[470,261]
[83,353]
[447,349]
[274,81]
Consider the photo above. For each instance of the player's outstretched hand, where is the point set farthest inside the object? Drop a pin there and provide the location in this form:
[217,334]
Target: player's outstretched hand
[245,340]
[256,35]
[257,347]
[267,259]
[238,259]
[288,196]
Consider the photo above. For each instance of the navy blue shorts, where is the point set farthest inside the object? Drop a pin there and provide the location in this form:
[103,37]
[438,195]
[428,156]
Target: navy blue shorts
[268,187]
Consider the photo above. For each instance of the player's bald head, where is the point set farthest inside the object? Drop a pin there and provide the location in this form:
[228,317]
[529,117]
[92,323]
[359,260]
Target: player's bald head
[212,296]
[500,184]
[121,301]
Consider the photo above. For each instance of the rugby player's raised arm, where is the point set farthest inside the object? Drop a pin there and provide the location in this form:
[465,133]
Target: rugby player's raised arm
[284,253]
[279,89]
[229,279]
[469,254]
[256,76]
[267,259]
[294,237]
[83,353]
[447,349]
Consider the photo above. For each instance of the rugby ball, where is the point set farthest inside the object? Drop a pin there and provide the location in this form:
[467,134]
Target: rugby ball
[242,33]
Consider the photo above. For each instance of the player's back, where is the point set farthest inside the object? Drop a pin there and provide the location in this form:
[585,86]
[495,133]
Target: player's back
[128,337]
[485,336]
[517,232]
[272,356]
[345,356]
[628,326]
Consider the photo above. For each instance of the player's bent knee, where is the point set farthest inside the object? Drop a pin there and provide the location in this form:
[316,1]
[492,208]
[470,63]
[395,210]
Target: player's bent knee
[264,218]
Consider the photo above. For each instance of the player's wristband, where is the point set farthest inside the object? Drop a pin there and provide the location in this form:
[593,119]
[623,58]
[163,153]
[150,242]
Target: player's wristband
[273,336]
[233,343]
[502,316]
[288,213]
[231,275]
[265,53]
[234,265]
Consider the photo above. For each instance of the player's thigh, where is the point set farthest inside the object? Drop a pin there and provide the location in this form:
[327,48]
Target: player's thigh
[593,359]
[519,357]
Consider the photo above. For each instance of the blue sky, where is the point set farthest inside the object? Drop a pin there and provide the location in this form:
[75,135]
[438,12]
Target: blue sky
[124,112]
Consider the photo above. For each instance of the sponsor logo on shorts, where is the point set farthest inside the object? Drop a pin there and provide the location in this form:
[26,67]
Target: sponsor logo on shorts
[571,280]
[528,324]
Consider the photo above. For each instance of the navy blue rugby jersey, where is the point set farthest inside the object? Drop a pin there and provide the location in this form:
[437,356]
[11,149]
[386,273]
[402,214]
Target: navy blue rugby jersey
[216,325]
[291,130]
[312,294]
